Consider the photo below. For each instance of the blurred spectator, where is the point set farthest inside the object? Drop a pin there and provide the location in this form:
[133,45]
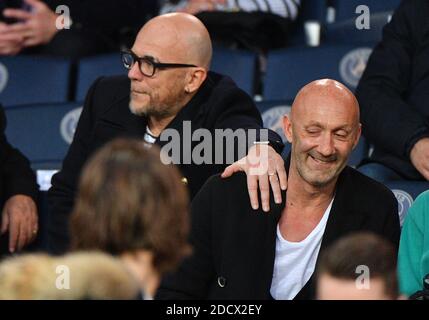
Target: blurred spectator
[250,24]
[77,276]
[132,206]
[97,26]
[393,95]
[18,194]
[413,261]
[360,266]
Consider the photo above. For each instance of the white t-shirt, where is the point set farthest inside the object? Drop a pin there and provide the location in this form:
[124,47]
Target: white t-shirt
[149,138]
[295,261]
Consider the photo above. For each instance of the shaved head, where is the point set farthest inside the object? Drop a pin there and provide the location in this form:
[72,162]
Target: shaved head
[323,127]
[321,92]
[182,35]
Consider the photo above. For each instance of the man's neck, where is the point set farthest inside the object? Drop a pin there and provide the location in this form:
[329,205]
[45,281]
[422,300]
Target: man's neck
[156,126]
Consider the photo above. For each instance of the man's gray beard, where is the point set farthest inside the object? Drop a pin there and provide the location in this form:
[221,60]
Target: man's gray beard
[150,112]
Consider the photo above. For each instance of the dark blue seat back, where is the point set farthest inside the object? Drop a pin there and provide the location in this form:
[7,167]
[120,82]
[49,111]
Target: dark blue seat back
[406,192]
[42,132]
[30,80]
[346,9]
[288,70]
[91,68]
[237,64]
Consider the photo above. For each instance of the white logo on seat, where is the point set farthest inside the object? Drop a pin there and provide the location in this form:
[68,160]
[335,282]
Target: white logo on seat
[405,200]
[4,77]
[273,119]
[353,64]
[69,123]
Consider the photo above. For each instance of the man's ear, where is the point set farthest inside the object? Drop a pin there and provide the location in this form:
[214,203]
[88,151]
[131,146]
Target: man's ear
[358,134]
[195,79]
[287,128]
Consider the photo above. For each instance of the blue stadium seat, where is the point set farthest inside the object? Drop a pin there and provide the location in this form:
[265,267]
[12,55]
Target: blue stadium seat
[42,132]
[288,70]
[30,80]
[91,68]
[239,65]
[345,32]
[346,9]
[406,192]
[272,115]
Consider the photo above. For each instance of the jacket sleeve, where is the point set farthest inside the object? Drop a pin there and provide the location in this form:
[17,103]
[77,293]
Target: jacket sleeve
[64,183]
[411,248]
[16,173]
[192,279]
[385,81]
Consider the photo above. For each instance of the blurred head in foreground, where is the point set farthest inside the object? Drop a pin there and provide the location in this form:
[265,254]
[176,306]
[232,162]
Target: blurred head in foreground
[360,266]
[134,207]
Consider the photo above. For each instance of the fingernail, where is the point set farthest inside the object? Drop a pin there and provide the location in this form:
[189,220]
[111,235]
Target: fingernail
[284,187]
[266,209]
[12,250]
[278,200]
[254,206]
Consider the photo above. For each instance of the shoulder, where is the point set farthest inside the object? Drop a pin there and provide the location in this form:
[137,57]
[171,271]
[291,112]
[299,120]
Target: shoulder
[367,191]
[222,86]
[419,210]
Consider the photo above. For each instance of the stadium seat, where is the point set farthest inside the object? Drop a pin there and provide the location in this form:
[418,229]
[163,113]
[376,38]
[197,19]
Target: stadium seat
[290,69]
[272,115]
[30,80]
[346,9]
[345,32]
[239,65]
[91,68]
[406,192]
[42,132]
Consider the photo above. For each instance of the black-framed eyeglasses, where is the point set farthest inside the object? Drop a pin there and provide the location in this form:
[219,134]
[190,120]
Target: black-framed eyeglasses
[146,64]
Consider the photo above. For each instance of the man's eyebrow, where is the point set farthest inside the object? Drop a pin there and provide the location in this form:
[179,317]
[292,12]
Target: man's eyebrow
[150,58]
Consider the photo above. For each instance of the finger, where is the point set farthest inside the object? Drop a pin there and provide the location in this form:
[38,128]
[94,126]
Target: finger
[264,189]
[275,186]
[4,222]
[18,28]
[17,14]
[231,169]
[282,175]
[252,186]
[13,235]
[23,235]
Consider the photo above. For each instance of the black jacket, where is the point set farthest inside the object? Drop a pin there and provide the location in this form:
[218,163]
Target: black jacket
[394,90]
[218,104]
[234,246]
[17,177]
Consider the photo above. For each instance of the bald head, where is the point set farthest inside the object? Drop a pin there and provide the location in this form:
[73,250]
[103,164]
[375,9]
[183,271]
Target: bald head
[182,37]
[322,93]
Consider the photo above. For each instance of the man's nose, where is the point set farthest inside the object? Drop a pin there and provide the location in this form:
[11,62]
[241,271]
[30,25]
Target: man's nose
[326,146]
[134,73]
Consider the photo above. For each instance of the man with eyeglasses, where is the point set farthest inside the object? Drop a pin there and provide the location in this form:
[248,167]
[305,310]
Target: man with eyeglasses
[168,85]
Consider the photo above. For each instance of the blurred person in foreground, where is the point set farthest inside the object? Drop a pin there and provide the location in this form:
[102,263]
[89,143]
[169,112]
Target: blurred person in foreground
[128,228]
[361,266]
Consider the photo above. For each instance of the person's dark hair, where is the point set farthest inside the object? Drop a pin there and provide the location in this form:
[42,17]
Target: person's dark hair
[341,260]
[128,201]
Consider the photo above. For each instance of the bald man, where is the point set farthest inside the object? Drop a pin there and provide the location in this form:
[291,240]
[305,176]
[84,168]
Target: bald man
[239,254]
[168,87]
